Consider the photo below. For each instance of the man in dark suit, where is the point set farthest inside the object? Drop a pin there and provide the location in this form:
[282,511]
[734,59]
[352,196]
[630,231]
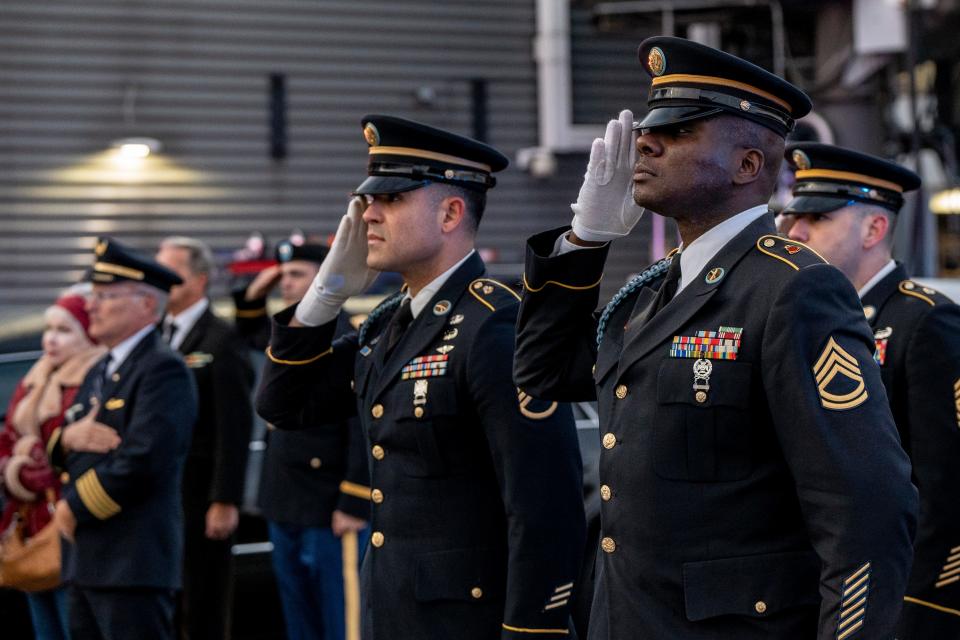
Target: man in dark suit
[477,513]
[314,488]
[213,477]
[753,484]
[845,206]
[122,508]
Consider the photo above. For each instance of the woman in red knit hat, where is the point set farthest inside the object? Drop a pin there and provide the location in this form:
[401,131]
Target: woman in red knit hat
[35,412]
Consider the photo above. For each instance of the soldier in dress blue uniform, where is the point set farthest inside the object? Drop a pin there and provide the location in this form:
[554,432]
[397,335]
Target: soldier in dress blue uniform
[477,513]
[314,488]
[753,484]
[845,206]
[122,509]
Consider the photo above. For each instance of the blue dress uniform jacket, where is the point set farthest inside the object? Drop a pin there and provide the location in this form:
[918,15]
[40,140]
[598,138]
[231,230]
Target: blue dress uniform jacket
[753,483]
[477,513]
[309,469]
[127,502]
[917,336]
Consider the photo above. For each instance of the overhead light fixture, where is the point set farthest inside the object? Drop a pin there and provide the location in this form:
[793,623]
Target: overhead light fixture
[136,147]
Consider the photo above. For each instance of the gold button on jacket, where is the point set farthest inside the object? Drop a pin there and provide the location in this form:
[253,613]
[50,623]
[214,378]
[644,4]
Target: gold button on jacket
[376,539]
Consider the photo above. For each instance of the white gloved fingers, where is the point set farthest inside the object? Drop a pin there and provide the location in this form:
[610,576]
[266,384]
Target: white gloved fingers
[627,147]
[611,144]
[596,162]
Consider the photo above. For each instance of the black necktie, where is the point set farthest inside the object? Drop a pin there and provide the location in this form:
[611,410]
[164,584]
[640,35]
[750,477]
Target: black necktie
[669,287]
[169,330]
[100,376]
[398,324]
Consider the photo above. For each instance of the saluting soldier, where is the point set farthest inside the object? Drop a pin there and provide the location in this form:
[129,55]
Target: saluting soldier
[845,206]
[313,489]
[753,484]
[477,514]
[123,508]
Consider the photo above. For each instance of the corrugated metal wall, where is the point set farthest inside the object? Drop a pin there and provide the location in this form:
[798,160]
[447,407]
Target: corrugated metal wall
[194,74]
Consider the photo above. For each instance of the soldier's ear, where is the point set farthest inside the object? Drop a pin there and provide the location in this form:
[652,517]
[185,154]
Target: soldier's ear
[876,228]
[750,166]
[453,211]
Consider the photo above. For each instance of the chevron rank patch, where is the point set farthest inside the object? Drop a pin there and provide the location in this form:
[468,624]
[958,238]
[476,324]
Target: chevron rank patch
[722,344]
[950,574]
[839,380]
[535,409]
[853,602]
[560,596]
[425,367]
[956,399]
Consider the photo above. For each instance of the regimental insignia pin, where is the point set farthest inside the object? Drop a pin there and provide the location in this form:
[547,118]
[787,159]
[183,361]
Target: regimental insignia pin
[371,135]
[838,367]
[487,289]
[657,61]
[801,160]
[714,275]
[869,311]
[445,349]
[792,248]
[441,308]
[881,334]
[478,285]
[457,319]
[450,334]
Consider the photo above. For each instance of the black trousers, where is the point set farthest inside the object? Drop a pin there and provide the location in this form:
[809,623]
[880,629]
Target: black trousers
[121,614]
[204,605]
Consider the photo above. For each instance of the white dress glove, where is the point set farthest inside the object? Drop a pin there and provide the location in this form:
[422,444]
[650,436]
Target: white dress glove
[605,209]
[344,271]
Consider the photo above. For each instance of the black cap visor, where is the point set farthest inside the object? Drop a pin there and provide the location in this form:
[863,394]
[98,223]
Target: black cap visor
[815,204]
[375,185]
[667,116]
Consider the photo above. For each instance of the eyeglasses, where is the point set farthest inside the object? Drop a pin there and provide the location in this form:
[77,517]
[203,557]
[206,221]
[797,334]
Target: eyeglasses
[102,296]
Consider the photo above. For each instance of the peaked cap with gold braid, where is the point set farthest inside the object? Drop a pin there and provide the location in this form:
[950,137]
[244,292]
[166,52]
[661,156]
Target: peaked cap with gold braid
[114,262]
[693,81]
[830,177]
[407,155]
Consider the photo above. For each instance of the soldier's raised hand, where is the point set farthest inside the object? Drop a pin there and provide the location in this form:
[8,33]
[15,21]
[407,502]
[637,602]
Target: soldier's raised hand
[344,271]
[605,209]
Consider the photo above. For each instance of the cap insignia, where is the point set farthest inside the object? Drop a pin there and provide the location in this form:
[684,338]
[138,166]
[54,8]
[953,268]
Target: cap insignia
[371,135]
[801,160]
[657,61]
[286,252]
[745,105]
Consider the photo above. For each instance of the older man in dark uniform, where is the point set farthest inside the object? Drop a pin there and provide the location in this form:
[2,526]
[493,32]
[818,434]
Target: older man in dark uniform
[214,473]
[122,508]
[753,484]
[845,206]
[477,513]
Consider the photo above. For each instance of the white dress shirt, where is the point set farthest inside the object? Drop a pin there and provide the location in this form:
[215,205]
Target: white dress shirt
[185,321]
[877,277]
[419,301]
[120,352]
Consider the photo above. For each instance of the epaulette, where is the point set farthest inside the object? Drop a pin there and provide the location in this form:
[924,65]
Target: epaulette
[649,274]
[790,252]
[491,293]
[388,304]
[927,294]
